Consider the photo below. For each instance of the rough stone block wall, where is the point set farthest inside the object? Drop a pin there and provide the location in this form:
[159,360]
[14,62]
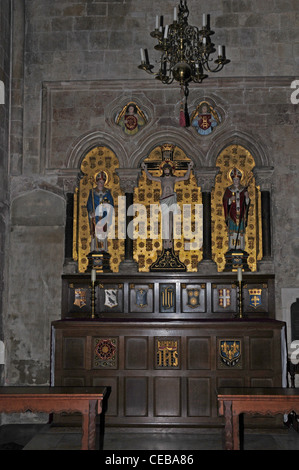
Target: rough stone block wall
[4,144]
[80,63]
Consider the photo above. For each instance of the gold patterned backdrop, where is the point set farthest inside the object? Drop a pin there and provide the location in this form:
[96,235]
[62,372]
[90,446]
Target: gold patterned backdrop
[99,158]
[148,192]
[236,156]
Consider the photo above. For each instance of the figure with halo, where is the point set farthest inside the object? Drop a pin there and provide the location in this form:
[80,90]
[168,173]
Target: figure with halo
[236,203]
[100,206]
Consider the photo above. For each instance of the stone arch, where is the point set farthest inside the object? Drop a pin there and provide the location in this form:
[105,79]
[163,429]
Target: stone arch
[225,139]
[86,142]
[181,138]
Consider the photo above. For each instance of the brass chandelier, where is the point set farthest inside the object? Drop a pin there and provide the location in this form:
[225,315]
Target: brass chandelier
[185,51]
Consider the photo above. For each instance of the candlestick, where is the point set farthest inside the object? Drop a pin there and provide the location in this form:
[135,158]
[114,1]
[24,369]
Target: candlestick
[240,300]
[93,292]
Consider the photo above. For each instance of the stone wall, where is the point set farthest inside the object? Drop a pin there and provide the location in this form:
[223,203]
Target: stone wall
[80,67]
[5,19]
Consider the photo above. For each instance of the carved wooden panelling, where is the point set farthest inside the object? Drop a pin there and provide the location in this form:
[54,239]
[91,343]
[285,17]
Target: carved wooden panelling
[74,353]
[229,381]
[199,353]
[136,396]
[167,396]
[73,381]
[199,396]
[112,383]
[165,373]
[136,353]
[261,353]
[261,382]
[163,296]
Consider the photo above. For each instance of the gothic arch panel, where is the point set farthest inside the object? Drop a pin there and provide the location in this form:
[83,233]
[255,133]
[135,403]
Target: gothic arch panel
[236,156]
[98,159]
[148,248]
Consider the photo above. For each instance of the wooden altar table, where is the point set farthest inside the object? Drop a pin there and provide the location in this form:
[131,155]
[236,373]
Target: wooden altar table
[233,402]
[85,400]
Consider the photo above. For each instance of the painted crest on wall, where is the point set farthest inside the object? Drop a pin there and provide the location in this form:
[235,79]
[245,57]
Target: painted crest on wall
[105,353]
[230,352]
[224,297]
[111,298]
[131,119]
[205,118]
[141,297]
[167,353]
[80,297]
[193,298]
[255,297]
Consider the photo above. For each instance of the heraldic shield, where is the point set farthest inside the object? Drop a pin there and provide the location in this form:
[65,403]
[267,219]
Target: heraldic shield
[230,352]
[193,298]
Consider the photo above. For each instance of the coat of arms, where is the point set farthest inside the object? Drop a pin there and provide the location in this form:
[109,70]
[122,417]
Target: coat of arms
[193,298]
[224,297]
[111,298]
[255,297]
[141,297]
[230,352]
[80,297]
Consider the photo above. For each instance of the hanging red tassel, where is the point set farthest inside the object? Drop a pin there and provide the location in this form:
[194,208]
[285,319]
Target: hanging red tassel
[187,118]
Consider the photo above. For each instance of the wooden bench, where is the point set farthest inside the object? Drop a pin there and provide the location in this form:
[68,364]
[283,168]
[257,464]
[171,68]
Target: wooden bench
[233,402]
[85,400]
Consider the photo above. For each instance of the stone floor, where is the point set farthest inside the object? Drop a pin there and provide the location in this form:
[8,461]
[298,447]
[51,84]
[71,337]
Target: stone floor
[46,437]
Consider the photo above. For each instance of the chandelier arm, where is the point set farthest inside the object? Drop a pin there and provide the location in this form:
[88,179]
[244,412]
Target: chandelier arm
[185,51]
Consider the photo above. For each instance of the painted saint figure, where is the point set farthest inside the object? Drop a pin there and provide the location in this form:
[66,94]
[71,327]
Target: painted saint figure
[168,199]
[99,205]
[236,203]
[205,119]
[131,120]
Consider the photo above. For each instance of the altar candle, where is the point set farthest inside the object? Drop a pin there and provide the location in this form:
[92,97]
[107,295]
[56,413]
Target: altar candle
[240,274]
[175,14]
[166,32]
[142,55]
[204,23]
[204,41]
[93,275]
[157,22]
[219,51]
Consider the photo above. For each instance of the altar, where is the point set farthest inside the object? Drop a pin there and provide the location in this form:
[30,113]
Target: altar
[161,353]
[163,322]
